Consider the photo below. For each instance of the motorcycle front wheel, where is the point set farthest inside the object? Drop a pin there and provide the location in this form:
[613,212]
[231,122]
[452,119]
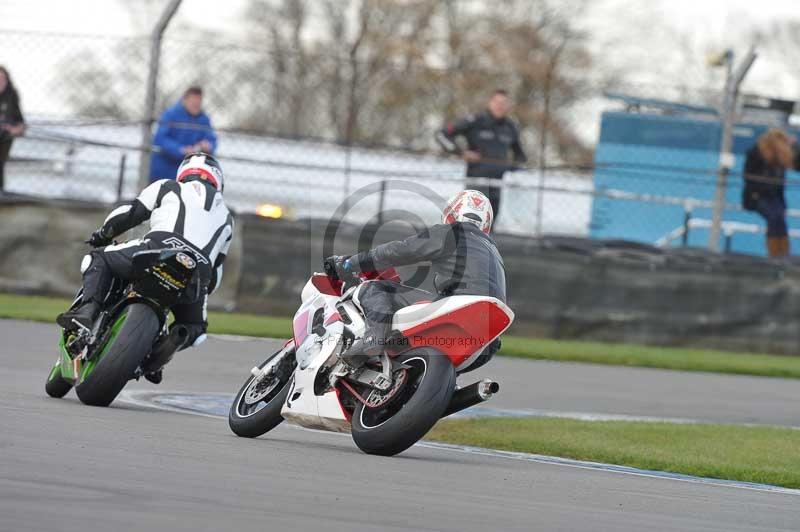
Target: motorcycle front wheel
[257,407]
[56,385]
[394,420]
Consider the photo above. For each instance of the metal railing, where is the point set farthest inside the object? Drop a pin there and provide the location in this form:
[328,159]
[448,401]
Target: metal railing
[729,230]
[559,193]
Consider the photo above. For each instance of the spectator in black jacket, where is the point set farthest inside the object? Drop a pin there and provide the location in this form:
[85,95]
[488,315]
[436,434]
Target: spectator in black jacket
[492,138]
[12,124]
[764,177]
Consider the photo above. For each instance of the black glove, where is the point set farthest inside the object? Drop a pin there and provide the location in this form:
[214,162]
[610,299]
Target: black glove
[335,267]
[100,238]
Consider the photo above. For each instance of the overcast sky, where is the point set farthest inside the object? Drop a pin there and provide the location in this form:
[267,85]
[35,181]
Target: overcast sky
[108,17]
[709,22]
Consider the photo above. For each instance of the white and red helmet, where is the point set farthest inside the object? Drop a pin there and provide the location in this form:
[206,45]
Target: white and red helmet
[201,166]
[469,206]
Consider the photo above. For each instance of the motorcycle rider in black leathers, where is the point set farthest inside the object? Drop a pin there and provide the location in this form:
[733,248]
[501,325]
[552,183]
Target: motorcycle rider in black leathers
[463,257]
[187,213]
[491,138]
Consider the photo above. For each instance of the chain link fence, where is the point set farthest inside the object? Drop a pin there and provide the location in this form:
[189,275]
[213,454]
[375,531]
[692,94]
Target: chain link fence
[303,129]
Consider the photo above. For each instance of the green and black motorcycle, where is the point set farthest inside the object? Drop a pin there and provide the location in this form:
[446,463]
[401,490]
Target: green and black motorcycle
[130,336]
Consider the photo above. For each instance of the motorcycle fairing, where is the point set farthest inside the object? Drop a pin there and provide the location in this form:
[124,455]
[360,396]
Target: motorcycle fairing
[313,299]
[321,412]
[303,406]
[458,326]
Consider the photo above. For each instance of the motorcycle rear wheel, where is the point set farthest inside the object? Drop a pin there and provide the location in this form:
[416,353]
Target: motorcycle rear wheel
[123,354]
[399,423]
[257,407]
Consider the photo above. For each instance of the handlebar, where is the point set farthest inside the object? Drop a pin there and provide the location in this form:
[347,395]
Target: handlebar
[330,269]
[348,279]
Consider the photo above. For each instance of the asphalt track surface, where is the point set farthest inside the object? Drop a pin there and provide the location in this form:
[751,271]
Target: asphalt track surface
[65,467]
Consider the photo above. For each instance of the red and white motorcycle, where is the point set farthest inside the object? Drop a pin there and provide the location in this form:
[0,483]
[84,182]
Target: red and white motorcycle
[391,401]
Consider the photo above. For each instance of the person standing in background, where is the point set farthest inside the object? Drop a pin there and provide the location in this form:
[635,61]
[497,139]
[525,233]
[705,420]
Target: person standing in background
[12,123]
[764,178]
[182,129]
[492,137]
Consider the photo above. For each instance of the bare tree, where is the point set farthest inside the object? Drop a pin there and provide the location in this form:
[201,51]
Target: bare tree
[542,58]
[97,84]
[394,51]
[373,75]
[377,71]
[277,69]
[105,80]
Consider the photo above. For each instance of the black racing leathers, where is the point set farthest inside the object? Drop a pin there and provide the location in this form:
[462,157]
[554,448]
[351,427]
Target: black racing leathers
[464,259]
[495,139]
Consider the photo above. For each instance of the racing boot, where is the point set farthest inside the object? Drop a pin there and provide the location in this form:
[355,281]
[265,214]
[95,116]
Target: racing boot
[369,345]
[155,376]
[164,350]
[83,315]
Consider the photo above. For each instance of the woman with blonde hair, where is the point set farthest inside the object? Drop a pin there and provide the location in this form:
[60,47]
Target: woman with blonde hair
[764,178]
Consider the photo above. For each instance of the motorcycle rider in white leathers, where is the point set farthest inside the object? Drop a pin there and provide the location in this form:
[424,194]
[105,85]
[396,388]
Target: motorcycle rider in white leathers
[188,213]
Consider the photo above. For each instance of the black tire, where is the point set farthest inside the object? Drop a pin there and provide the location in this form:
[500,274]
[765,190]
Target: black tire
[133,342]
[403,421]
[56,386]
[253,424]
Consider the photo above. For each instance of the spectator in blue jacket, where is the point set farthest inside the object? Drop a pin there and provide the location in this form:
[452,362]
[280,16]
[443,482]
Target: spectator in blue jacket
[183,128]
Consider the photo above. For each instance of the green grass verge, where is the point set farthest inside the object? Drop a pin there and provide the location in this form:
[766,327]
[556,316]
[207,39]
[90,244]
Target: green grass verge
[45,309]
[765,455]
[678,358]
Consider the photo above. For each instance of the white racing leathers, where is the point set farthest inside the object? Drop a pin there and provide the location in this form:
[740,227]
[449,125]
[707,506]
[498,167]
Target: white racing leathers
[190,215]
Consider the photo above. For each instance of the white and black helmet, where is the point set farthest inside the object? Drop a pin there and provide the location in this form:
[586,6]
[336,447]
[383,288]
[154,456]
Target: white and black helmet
[201,166]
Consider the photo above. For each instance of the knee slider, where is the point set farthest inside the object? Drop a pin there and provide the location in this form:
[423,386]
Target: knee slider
[195,334]
[199,340]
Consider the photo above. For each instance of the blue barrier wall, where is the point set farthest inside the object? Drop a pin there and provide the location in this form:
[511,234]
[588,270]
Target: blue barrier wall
[670,156]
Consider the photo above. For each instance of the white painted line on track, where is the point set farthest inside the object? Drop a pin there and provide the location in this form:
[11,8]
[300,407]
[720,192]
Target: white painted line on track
[149,399]
[144,399]
[612,468]
[480,411]
[209,403]
[240,338]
